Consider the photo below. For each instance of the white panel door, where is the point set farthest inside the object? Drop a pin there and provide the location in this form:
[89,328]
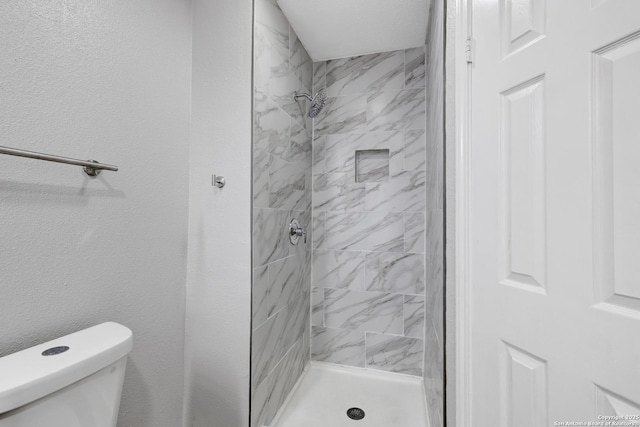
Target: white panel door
[555,211]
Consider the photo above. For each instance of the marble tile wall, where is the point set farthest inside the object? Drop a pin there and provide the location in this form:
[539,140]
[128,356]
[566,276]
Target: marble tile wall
[282,153]
[434,329]
[369,270]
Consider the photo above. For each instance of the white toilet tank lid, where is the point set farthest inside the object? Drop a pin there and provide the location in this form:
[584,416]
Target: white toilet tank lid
[28,375]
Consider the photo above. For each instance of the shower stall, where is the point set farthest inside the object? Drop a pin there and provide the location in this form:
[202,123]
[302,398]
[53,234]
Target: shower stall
[347,294]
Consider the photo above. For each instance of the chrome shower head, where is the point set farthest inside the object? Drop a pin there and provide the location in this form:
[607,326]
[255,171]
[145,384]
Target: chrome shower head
[317,102]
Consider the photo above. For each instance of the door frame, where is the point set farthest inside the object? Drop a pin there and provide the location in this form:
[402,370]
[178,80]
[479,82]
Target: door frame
[458,352]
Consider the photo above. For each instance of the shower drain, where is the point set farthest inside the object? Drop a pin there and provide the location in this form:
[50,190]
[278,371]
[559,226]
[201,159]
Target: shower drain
[355,413]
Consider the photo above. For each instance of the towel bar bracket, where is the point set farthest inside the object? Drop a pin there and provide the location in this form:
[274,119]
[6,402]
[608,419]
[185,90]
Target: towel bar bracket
[93,172]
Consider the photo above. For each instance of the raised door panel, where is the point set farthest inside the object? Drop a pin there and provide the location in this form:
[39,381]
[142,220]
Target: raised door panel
[523,207]
[523,388]
[523,24]
[617,174]
[611,404]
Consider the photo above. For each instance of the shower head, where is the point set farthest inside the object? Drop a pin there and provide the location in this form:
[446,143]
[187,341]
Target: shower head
[317,102]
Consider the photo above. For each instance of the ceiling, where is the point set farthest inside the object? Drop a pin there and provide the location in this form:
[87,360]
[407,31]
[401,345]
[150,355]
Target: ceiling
[331,29]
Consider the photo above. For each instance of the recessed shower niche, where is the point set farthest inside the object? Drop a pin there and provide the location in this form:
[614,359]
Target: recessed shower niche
[372,165]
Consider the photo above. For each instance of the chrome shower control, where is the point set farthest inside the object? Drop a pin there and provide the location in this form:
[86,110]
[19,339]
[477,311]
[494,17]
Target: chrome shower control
[218,181]
[295,232]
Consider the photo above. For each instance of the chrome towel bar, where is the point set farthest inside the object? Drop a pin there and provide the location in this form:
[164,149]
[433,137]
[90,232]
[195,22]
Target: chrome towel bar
[90,167]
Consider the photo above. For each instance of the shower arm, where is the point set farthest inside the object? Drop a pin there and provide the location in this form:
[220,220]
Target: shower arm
[302,95]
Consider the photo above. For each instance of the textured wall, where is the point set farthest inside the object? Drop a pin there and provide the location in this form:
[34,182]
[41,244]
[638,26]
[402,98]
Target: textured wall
[281,192]
[219,279]
[108,80]
[369,275]
[434,319]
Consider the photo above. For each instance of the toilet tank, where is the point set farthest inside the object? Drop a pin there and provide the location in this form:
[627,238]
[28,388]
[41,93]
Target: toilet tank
[73,381]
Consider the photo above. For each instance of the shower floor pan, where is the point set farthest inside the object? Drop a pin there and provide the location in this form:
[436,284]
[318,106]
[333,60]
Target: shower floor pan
[326,392]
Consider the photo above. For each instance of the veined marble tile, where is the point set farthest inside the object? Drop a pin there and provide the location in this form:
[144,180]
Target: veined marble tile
[305,271]
[284,287]
[433,371]
[286,185]
[301,140]
[260,402]
[270,17]
[395,273]
[272,392]
[260,294]
[434,350]
[306,347]
[435,113]
[271,124]
[394,354]
[391,110]
[372,165]
[437,315]
[336,153]
[284,84]
[434,251]
[342,114]
[392,141]
[338,269]
[308,184]
[415,148]
[434,354]
[270,243]
[365,74]
[435,279]
[269,345]
[317,307]
[439,421]
[363,311]
[319,235]
[261,160]
[319,75]
[414,233]
[273,339]
[364,231]
[337,192]
[414,316]
[261,59]
[404,191]
[297,149]
[300,61]
[414,70]
[271,127]
[338,346]
[435,178]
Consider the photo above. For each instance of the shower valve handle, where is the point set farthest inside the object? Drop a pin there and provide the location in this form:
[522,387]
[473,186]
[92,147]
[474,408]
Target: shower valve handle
[295,232]
[299,232]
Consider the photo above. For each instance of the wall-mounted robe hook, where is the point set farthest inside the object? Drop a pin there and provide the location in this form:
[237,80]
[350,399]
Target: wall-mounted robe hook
[218,181]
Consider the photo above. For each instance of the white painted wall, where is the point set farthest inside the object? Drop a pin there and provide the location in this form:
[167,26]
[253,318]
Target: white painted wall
[219,267]
[108,80]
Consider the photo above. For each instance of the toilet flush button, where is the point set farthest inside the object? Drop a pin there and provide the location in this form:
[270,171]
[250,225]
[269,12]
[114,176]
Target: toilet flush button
[55,351]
